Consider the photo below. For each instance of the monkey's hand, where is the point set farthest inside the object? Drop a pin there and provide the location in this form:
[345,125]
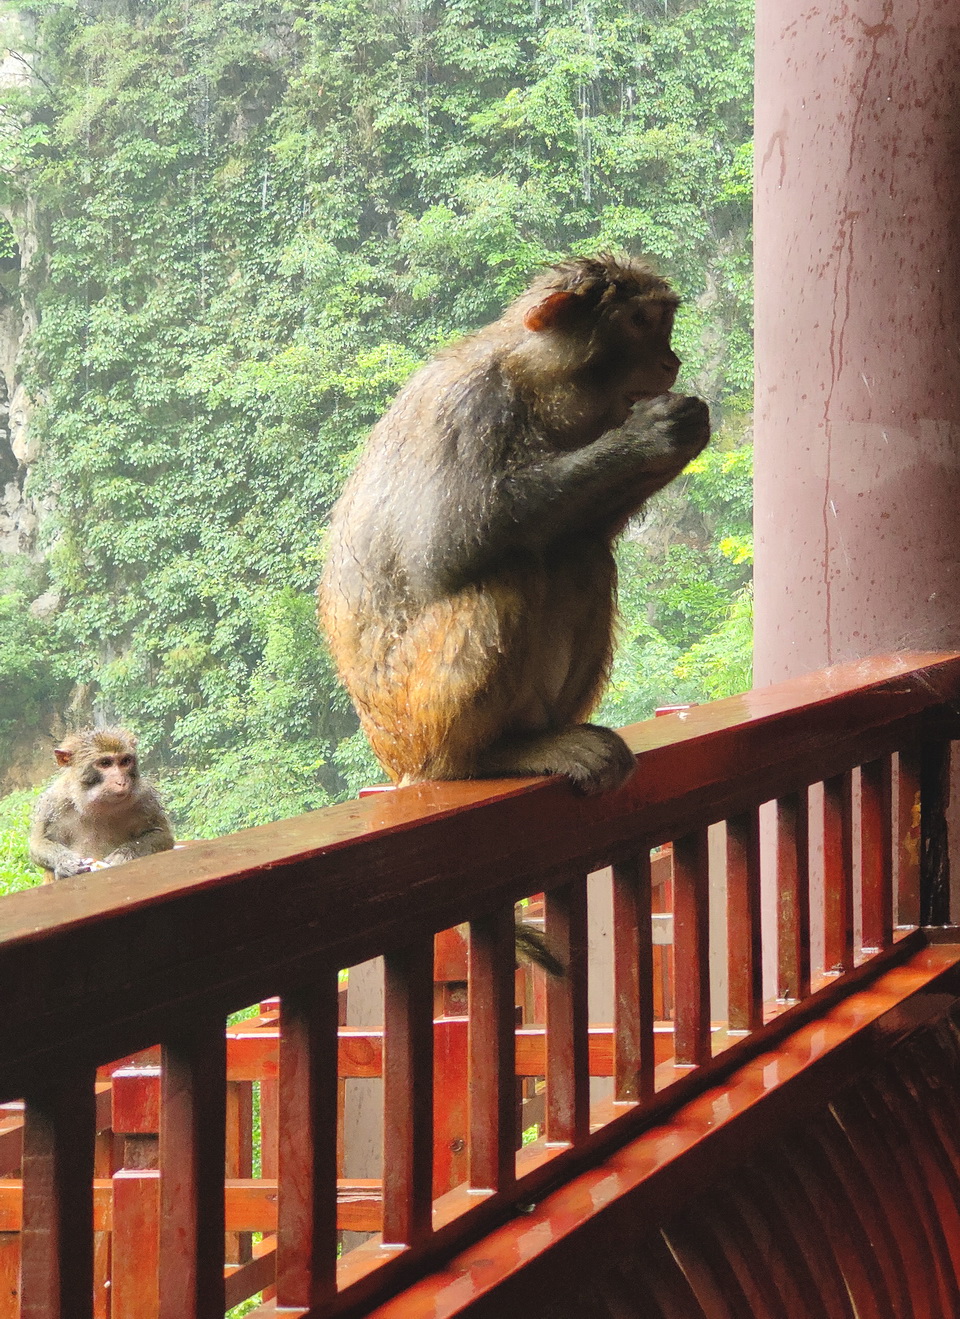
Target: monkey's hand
[681,421]
[71,864]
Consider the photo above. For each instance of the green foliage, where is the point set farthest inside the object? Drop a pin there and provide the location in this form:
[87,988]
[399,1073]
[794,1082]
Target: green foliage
[256,218]
[16,870]
[687,606]
[33,674]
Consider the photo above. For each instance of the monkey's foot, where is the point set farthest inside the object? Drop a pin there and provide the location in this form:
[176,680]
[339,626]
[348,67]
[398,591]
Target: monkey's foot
[594,758]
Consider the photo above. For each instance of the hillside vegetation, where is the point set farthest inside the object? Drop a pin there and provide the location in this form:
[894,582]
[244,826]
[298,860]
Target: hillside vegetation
[248,221]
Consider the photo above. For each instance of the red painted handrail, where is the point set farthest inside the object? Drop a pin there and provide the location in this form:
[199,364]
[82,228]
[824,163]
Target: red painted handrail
[161,950]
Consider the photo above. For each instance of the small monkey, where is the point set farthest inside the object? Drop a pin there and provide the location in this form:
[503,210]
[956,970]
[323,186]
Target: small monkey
[99,812]
[469,592]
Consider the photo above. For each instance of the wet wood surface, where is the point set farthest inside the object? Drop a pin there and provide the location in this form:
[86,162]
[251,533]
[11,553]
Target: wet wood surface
[819,1179]
[163,950]
[349,881]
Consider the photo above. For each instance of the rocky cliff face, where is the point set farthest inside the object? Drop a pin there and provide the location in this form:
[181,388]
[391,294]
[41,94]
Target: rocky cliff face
[20,514]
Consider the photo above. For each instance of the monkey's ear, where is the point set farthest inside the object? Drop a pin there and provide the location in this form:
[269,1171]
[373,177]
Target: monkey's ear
[553,311]
[63,755]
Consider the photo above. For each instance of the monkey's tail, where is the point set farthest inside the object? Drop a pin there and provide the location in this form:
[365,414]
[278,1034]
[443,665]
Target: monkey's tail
[532,946]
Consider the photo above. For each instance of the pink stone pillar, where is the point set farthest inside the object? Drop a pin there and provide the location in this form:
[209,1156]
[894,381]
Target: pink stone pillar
[858,331]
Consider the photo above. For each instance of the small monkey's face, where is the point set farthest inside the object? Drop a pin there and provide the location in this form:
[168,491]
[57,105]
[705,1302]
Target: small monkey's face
[100,768]
[108,779]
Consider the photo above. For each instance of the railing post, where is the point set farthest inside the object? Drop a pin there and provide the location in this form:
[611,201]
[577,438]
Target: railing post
[838,873]
[908,837]
[193,1132]
[634,1061]
[408,1095]
[934,849]
[568,1065]
[307,1226]
[492,1049]
[876,854]
[134,1293]
[793,896]
[744,944]
[57,1232]
[691,948]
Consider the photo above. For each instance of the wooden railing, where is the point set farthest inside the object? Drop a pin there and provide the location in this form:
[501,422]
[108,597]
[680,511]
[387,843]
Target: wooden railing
[161,951]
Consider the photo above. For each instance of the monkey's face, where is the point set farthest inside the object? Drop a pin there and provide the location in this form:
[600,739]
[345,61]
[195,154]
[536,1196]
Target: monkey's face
[591,365]
[636,361]
[108,779]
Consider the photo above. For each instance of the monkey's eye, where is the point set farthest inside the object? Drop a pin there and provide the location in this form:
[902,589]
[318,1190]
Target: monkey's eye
[125,762]
[104,762]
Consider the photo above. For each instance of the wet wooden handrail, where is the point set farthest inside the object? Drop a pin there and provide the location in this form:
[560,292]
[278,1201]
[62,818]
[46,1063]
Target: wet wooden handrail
[161,950]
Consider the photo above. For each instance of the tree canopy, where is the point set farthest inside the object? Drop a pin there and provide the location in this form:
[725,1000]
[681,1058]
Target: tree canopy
[252,220]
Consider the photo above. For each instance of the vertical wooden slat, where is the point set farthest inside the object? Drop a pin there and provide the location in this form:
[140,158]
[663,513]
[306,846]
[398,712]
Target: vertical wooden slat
[269,1105]
[744,950]
[492,1049]
[408,1094]
[451,1096]
[634,1063]
[239,1161]
[691,948]
[192,1144]
[838,873]
[307,1154]
[567,1117]
[876,853]
[908,837]
[57,1226]
[934,848]
[9,1275]
[136,1236]
[793,897]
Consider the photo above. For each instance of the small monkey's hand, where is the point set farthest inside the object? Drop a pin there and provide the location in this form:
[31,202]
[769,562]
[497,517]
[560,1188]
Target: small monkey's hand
[71,865]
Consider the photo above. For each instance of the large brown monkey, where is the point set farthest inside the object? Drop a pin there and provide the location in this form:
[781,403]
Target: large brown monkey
[99,811]
[470,586]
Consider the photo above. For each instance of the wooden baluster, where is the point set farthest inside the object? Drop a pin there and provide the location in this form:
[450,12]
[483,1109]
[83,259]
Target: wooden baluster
[793,897]
[492,1048]
[634,1062]
[134,1291]
[908,837]
[57,1225]
[934,847]
[9,1275]
[307,1156]
[408,1095]
[744,946]
[567,1117]
[838,873]
[691,949]
[876,854]
[239,1160]
[192,1144]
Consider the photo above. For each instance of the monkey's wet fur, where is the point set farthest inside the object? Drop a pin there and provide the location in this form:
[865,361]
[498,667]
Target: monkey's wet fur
[469,593]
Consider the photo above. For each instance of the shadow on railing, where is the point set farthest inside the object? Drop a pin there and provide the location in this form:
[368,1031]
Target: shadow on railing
[850,767]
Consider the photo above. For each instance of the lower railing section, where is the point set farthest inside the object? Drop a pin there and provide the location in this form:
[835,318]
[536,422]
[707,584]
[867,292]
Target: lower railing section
[805,826]
[820,1179]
